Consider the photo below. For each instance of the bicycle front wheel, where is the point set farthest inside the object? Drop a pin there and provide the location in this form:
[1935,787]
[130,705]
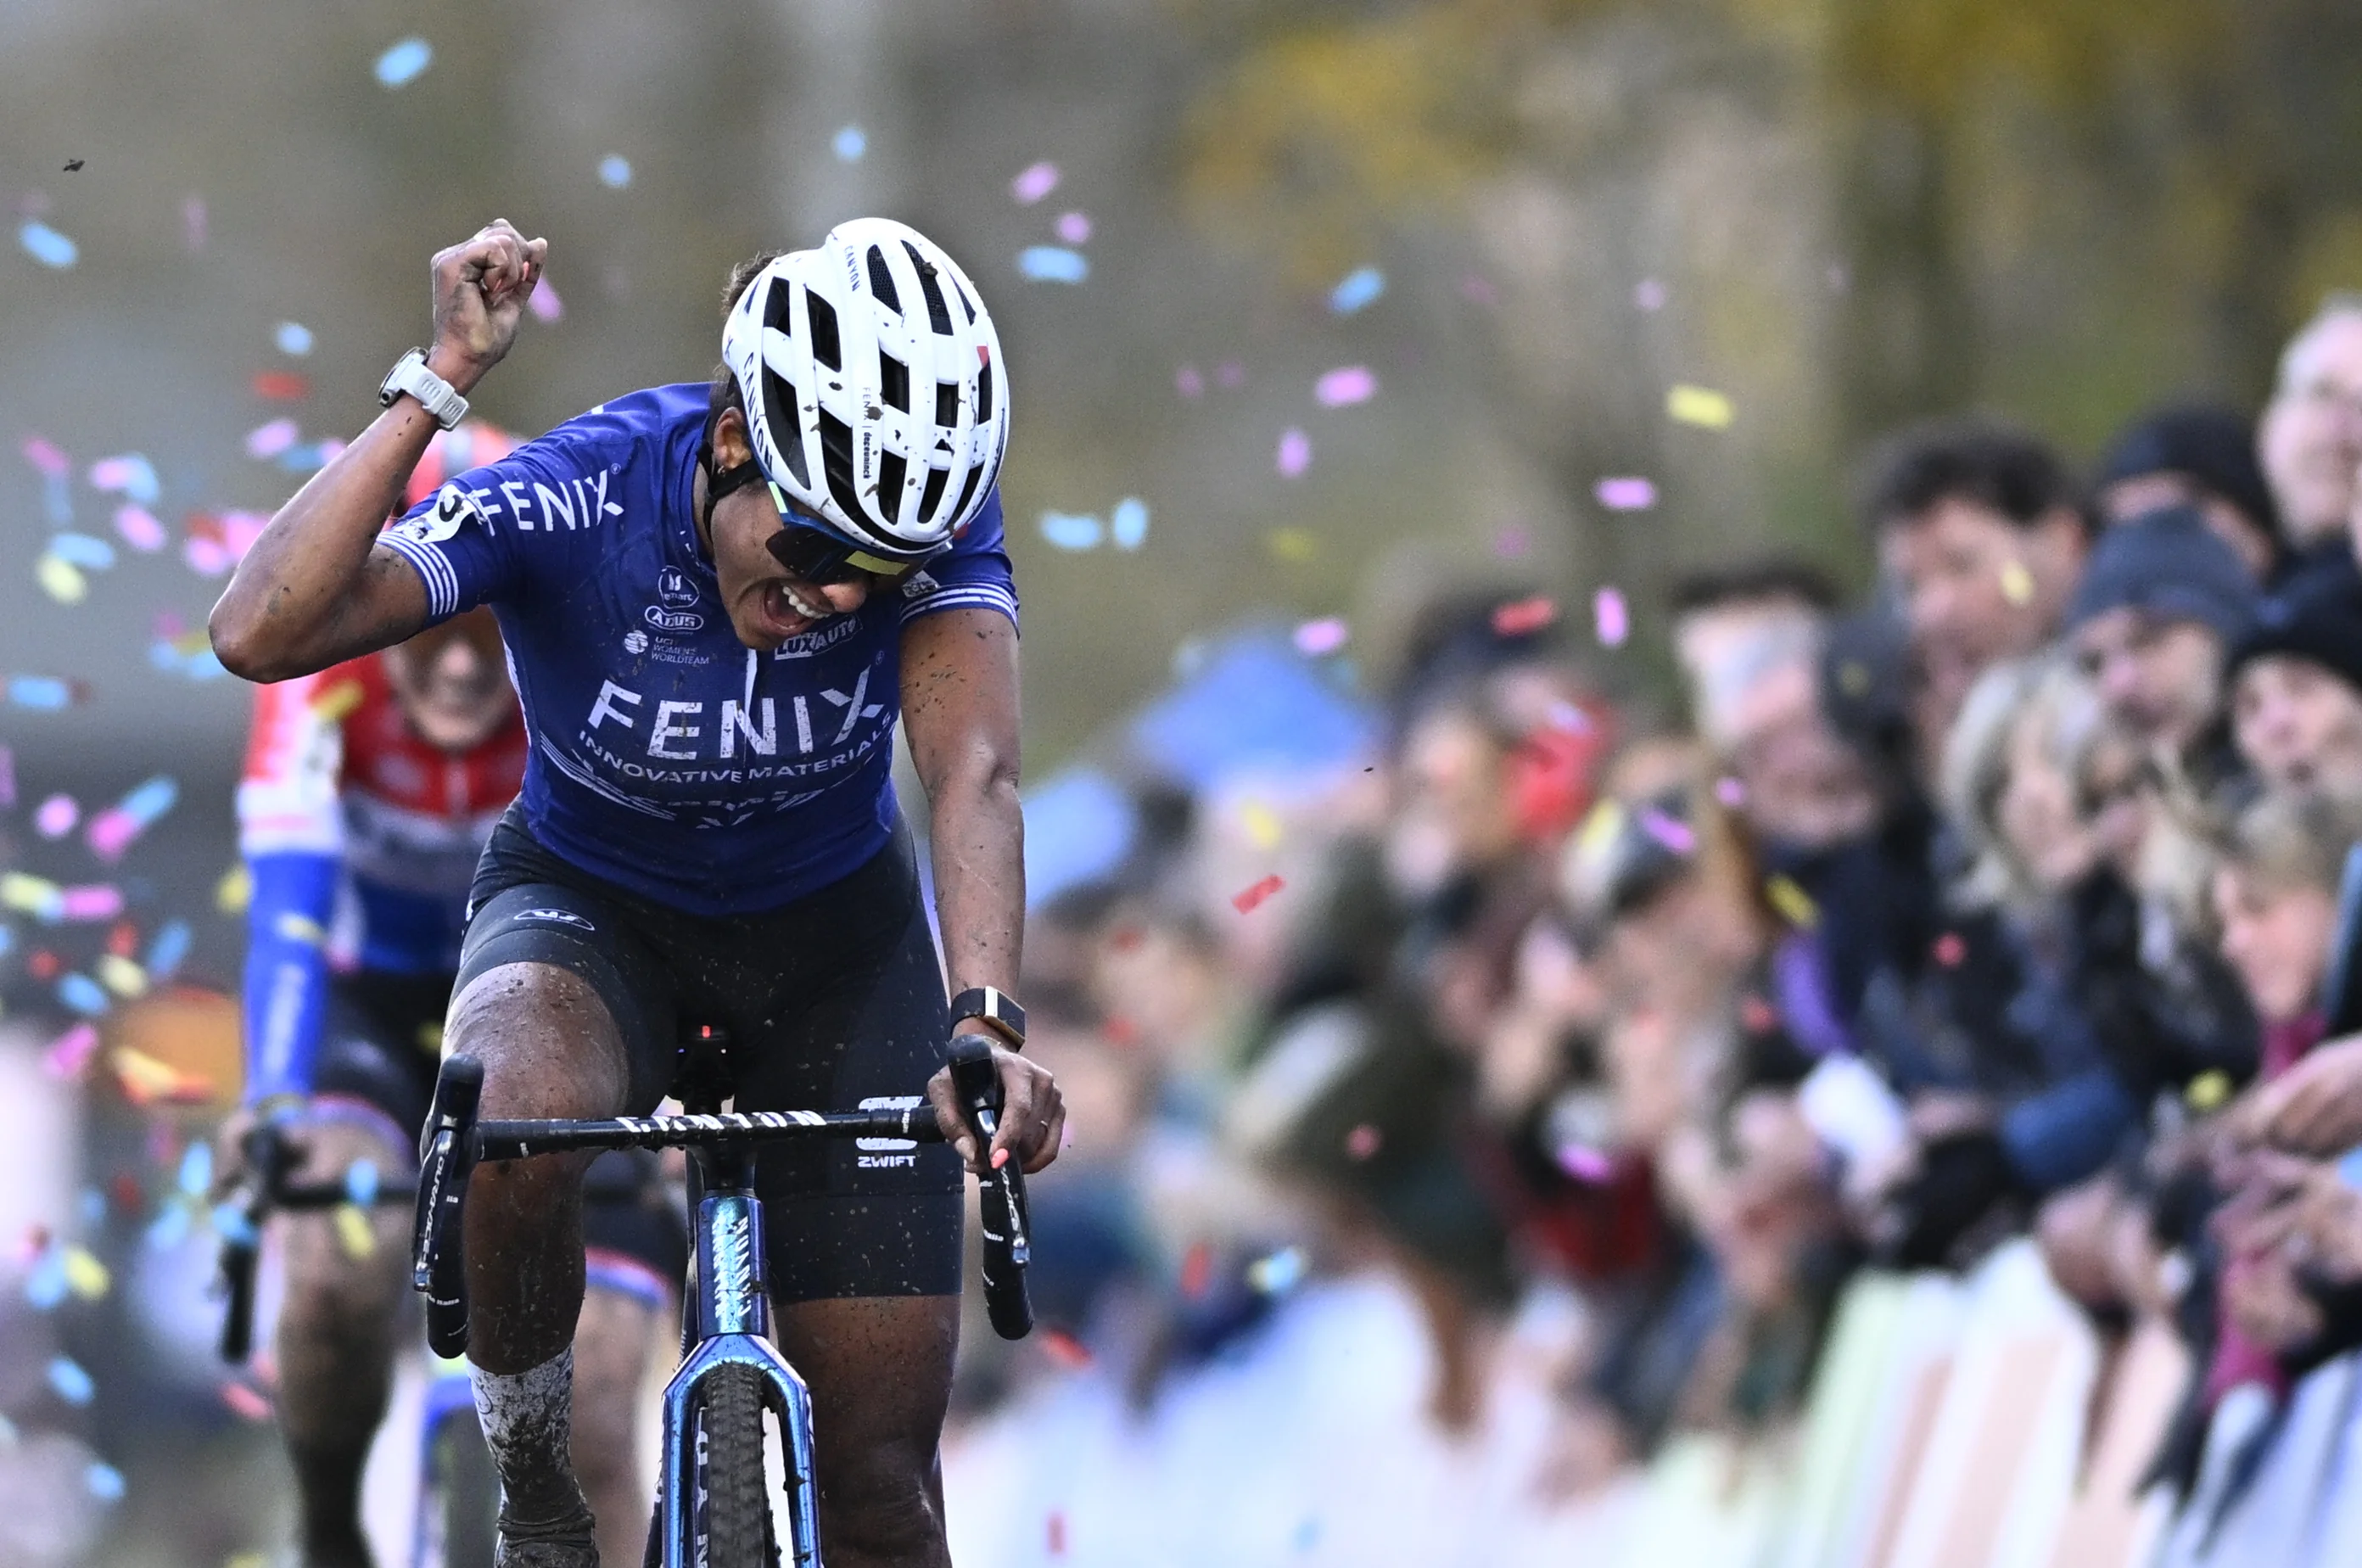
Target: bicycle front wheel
[733,1501]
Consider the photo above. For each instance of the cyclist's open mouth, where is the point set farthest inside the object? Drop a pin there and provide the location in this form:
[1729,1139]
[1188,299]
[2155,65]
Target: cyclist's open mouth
[789,613]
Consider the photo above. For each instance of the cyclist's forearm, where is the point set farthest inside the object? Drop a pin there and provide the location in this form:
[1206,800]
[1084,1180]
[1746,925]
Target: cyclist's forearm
[305,596]
[286,980]
[979,851]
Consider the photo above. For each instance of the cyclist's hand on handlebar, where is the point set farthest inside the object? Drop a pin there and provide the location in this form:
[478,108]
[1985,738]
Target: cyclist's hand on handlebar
[1032,1113]
[481,286]
[230,1141]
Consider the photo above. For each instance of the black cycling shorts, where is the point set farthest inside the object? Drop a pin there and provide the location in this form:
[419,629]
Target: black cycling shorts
[832,1003]
[379,1046]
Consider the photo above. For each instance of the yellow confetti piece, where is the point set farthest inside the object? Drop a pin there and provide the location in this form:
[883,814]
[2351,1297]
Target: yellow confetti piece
[31,894]
[147,1081]
[1794,904]
[1599,830]
[2017,583]
[85,1276]
[1298,545]
[301,928]
[430,1039]
[62,580]
[247,1560]
[338,700]
[1261,823]
[1701,407]
[2208,1091]
[353,1231]
[234,892]
[121,975]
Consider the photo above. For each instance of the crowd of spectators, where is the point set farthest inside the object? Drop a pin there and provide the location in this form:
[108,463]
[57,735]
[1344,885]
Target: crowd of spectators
[2010,902]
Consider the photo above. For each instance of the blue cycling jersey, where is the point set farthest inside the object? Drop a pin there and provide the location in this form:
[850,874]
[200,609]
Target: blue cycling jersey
[667,757]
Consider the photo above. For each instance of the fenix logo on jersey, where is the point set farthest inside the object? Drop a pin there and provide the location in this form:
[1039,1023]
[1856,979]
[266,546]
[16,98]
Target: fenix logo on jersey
[679,732]
[576,503]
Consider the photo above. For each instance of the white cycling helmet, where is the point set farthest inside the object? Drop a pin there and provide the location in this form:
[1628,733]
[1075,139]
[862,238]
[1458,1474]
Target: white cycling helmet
[873,385]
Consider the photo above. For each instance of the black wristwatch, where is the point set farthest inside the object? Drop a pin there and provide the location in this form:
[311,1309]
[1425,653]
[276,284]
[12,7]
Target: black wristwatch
[997,1010]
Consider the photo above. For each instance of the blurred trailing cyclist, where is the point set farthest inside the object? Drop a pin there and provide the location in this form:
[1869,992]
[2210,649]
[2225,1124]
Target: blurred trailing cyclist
[717,601]
[368,793]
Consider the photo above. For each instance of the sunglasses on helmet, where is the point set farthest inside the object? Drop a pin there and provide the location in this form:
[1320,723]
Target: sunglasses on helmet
[812,552]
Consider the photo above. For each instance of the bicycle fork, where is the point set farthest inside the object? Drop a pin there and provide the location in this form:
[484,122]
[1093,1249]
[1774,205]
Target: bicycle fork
[733,1324]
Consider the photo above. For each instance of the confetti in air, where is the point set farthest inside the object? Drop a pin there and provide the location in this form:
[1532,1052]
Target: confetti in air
[1315,639]
[1188,383]
[1363,1142]
[1626,494]
[615,172]
[1524,617]
[1066,1350]
[401,64]
[48,246]
[2017,583]
[1357,290]
[849,144]
[1649,294]
[1670,831]
[1295,453]
[1701,407]
[1074,228]
[544,302]
[68,1382]
[1128,524]
[1344,386]
[105,1482]
[1610,619]
[130,474]
[270,440]
[1248,899]
[1586,1165]
[1037,182]
[292,338]
[55,817]
[1071,530]
[1052,264]
[281,386]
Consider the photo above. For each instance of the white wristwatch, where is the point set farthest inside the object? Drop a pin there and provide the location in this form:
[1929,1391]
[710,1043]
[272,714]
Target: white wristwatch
[436,396]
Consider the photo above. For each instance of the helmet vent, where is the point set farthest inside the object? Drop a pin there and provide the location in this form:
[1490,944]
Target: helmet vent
[966,303]
[983,393]
[894,382]
[779,413]
[939,315]
[778,307]
[891,472]
[881,282]
[932,497]
[948,405]
[836,458]
[967,490]
[823,332]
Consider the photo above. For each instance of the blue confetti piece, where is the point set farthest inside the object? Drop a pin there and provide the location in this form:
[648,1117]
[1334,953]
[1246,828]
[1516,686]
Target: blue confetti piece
[304,459]
[43,692]
[1358,290]
[292,338]
[1128,525]
[48,246]
[232,1225]
[83,994]
[105,1481]
[1071,530]
[70,1382]
[850,144]
[168,1228]
[56,495]
[82,550]
[1052,264]
[130,474]
[615,172]
[7,939]
[150,800]
[170,946]
[362,1182]
[196,1173]
[92,1204]
[1307,1535]
[399,66]
[46,1287]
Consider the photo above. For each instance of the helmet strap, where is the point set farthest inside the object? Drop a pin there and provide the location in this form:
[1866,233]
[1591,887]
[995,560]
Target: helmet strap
[720,482]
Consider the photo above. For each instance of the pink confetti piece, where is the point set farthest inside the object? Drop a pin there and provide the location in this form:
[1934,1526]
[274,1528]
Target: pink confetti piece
[1247,900]
[68,1054]
[1627,495]
[1525,616]
[92,900]
[111,832]
[270,440]
[193,222]
[1074,228]
[1295,453]
[1034,183]
[1188,383]
[1610,618]
[544,302]
[55,817]
[45,455]
[1314,638]
[245,1403]
[1066,1350]
[1731,792]
[1477,289]
[1649,294]
[1587,1165]
[1346,385]
[1230,375]
[207,556]
[1512,541]
[1363,1142]
[1674,835]
[139,529]
[7,777]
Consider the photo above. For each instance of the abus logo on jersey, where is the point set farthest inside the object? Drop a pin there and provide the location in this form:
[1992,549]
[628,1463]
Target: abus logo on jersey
[674,589]
[665,620]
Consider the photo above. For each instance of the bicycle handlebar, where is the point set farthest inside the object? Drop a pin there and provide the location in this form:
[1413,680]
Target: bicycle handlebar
[457,1139]
[262,1191]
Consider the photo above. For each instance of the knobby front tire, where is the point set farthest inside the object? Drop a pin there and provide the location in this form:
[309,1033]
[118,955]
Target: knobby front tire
[734,1499]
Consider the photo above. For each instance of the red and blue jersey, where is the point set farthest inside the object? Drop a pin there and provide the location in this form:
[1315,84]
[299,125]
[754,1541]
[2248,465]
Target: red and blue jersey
[665,755]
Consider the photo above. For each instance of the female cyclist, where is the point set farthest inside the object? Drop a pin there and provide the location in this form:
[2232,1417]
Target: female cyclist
[717,600]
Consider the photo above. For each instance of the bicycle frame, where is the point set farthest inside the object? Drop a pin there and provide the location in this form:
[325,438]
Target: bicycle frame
[727,1315]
